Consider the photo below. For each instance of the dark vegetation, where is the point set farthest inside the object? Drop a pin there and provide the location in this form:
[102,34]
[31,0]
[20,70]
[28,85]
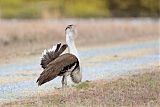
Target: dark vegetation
[27,9]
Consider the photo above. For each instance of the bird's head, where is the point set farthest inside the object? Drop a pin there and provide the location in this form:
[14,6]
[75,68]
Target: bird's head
[70,29]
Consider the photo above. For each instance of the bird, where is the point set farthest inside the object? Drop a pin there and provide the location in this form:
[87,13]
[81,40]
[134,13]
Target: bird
[55,64]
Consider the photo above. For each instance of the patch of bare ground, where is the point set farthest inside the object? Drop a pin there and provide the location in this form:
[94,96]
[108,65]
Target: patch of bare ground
[142,89]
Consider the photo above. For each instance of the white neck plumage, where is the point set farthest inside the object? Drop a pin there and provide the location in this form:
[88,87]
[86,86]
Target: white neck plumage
[71,45]
[76,75]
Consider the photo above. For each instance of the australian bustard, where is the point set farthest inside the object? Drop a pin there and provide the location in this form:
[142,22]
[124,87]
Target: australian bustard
[55,64]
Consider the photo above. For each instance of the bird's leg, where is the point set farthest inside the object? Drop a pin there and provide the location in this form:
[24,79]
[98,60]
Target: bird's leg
[64,81]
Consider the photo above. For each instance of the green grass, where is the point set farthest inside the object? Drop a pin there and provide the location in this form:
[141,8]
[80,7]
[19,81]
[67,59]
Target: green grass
[77,8]
[83,85]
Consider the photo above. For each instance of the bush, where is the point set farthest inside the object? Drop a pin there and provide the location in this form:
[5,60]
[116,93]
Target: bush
[78,8]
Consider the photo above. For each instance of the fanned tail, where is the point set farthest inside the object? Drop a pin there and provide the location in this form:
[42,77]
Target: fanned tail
[51,54]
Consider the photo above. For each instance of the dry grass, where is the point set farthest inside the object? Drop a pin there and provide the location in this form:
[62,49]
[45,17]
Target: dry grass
[135,90]
[29,37]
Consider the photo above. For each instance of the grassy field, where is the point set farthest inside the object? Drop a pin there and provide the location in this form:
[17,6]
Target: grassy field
[22,38]
[142,89]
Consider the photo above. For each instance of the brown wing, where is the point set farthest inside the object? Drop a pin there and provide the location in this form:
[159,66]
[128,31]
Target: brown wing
[51,55]
[56,67]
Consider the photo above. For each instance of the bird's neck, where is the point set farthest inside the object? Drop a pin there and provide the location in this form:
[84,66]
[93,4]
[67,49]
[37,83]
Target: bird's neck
[71,45]
[76,74]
